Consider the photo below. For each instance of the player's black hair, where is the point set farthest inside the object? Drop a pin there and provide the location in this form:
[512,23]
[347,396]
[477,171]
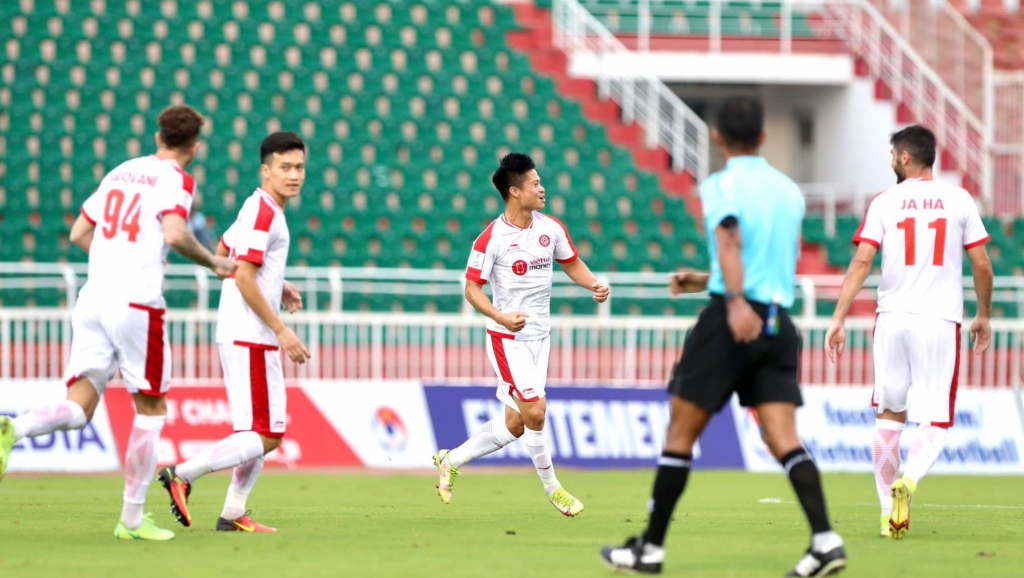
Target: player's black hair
[280,142]
[918,141]
[511,173]
[741,121]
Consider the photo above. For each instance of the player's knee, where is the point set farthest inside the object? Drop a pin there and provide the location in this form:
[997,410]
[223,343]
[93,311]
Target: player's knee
[270,444]
[515,427]
[533,417]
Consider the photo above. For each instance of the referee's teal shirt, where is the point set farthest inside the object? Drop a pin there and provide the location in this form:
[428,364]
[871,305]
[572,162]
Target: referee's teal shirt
[770,210]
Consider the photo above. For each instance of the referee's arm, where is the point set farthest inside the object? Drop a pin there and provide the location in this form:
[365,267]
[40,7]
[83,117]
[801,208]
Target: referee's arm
[745,324]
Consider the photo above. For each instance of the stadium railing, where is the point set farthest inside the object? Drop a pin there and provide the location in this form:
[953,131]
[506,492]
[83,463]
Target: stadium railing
[612,350]
[666,120]
[941,71]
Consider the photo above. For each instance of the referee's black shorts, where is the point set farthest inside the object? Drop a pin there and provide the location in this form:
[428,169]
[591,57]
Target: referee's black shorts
[714,365]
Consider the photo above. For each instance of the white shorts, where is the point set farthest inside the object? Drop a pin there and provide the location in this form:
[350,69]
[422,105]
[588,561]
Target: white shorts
[521,366]
[255,383]
[129,337]
[917,366]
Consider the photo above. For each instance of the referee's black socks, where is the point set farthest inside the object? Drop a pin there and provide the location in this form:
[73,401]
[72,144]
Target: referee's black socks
[803,474]
[673,470]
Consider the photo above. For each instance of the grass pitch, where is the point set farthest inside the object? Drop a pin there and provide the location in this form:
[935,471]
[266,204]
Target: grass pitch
[348,525]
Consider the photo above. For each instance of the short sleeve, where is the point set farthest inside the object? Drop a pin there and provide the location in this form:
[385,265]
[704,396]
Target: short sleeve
[718,202]
[481,259]
[92,208]
[252,233]
[228,238]
[565,249]
[870,230]
[975,233]
[176,199]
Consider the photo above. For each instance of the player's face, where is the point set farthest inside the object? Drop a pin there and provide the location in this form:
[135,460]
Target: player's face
[531,192]
[286,172]
[898,167]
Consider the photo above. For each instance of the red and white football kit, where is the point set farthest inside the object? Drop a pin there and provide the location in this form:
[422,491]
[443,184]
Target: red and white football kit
[118,320]
[519,264]
[249,351]
[922,228]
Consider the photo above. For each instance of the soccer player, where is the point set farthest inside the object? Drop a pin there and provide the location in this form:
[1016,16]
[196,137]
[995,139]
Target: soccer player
[922,227]
[744,340]
[516,253]
[140,209]
[251,335]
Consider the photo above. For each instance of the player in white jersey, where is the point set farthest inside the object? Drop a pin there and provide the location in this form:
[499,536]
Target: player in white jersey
[139,211]
[922,227]
[250,337]
[516,254]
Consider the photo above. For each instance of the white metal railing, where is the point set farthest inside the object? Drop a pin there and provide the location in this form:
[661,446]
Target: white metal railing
[1008,144]
[929,57]
[913,82]
[666,120]
[624,351]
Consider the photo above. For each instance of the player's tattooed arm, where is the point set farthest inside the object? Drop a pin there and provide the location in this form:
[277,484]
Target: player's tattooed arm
[856,274]
[580,274]
[81,233]
[181,239]
[513,321]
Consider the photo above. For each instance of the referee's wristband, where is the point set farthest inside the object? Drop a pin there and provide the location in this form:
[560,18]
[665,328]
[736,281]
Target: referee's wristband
[730,295]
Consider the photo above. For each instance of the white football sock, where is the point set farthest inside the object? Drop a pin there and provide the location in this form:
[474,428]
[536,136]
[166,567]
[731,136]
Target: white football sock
[234,450]
[491,437]
[540,453]
[65,415]
[886,454]
[243,478]
[925,452]
[825,542]
[140,466]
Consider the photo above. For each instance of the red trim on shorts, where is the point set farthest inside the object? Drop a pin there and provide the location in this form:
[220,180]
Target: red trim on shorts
[262,346]
[88,218]
[72,381]
[953,386]
[978,243]
[503,368]
[873,328]
[266,434]
[154,350]
[258,390]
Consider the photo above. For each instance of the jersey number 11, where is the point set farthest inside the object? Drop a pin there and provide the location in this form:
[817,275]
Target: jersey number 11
[940,239]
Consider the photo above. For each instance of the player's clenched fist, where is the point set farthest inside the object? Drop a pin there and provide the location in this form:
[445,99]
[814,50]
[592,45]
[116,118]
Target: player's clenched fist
[514,322]
[292,346]
[601,292]
[835,339]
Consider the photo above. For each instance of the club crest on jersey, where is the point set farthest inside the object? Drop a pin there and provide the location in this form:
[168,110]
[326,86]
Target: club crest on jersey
[545,240]
[520,267]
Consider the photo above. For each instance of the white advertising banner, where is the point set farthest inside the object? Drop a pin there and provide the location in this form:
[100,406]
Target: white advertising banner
[837,425]
[386,424]
[90,449]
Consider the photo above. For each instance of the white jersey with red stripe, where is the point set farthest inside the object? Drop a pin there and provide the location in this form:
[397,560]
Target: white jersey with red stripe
[260,236]
[128,254]
[519,263]
[923,228]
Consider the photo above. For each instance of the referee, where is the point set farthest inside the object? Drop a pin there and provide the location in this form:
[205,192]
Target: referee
[744,340]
